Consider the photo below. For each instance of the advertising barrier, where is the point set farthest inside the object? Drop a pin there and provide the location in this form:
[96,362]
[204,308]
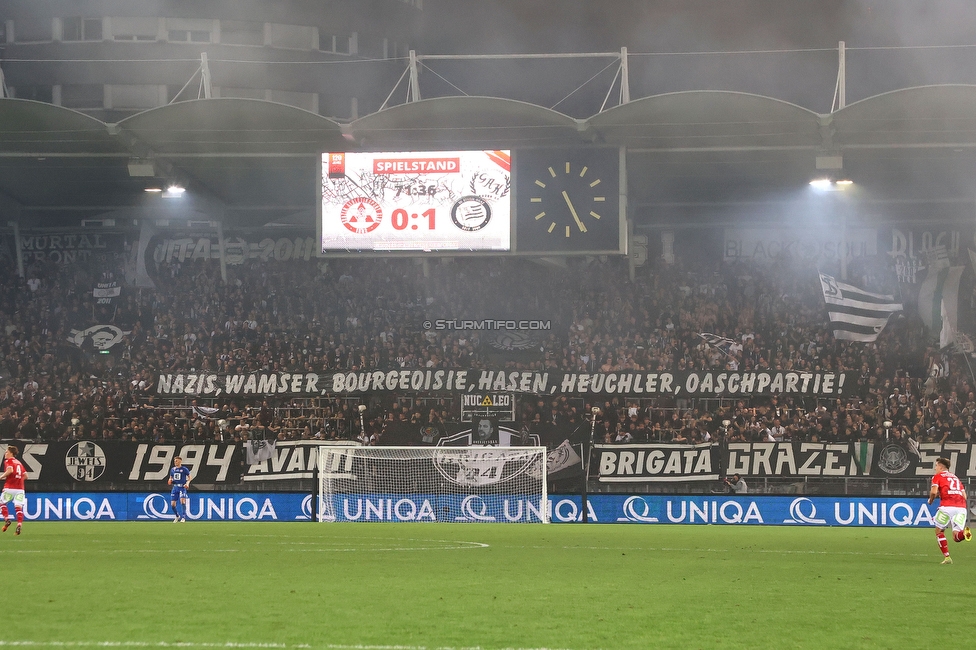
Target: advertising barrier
[155,506]
[739,510]
[904,512]
[475,508]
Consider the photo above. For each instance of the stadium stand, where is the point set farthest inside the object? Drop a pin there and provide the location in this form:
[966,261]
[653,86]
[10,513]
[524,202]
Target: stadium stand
[353,314]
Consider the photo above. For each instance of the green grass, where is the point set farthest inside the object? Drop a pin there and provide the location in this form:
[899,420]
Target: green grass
[81,584]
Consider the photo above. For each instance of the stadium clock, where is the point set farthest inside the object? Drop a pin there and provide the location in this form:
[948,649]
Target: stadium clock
[567,200]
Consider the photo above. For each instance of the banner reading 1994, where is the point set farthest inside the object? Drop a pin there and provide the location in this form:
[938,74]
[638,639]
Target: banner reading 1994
[415,201]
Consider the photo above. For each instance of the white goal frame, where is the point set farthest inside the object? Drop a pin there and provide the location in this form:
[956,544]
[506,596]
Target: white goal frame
[456,484]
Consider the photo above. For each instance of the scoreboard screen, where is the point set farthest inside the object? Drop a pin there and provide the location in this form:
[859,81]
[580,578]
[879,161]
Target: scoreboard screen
[416,201]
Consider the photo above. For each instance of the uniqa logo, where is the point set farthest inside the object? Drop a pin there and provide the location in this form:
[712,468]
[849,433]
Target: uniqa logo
[470,509]
[155,506]
[637,509]
[798,516]
[307,509]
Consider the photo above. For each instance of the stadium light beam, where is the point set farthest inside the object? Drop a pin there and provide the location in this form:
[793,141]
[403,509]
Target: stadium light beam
[174,191]
[830,185]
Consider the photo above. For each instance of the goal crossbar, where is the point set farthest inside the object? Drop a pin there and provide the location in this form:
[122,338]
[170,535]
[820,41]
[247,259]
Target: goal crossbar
[457,484]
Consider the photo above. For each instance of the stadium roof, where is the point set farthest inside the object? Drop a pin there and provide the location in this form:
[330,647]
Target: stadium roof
[254,161]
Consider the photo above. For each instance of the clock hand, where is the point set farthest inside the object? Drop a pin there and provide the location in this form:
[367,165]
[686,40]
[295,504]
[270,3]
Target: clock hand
[573,212]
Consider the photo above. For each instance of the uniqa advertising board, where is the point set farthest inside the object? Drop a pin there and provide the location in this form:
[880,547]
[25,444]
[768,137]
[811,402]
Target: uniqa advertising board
[905,512]
[758,510]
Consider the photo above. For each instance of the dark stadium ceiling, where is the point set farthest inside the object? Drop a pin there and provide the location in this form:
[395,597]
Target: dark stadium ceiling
[251,162]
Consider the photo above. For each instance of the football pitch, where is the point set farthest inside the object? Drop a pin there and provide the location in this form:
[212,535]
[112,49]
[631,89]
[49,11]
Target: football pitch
[411,586]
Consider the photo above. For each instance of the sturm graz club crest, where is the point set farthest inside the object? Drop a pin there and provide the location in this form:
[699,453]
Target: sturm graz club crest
[471,213]
[514,341]
[472,468]
[513,344]
[85,461]
[893,459]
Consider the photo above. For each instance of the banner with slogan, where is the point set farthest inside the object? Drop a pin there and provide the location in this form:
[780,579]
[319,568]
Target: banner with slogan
[63,248]
[101,463]
[801,459]
[768,245]
[159,248]
[656,462]
[294,460]
[174,248]
[909,247]
[536,382]
[907,459]
[883,459]
[109,464]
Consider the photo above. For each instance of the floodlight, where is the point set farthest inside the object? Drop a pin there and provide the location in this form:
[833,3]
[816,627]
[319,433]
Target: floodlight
[830,184]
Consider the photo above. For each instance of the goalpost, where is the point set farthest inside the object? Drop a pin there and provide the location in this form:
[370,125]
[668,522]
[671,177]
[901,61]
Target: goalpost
[461,484]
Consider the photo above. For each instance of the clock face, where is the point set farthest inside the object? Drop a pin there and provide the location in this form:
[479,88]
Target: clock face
[567,200]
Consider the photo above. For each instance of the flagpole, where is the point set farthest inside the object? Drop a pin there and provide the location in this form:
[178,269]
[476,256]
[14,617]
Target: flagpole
[586,467]
[362,425]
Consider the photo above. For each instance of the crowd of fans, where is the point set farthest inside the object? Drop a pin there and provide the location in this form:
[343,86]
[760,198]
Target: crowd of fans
[365,314]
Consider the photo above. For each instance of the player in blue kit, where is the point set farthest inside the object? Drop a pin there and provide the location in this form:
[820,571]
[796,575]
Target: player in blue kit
[179,479]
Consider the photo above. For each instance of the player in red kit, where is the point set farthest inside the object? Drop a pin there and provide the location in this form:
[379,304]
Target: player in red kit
[948,489]
[13,477]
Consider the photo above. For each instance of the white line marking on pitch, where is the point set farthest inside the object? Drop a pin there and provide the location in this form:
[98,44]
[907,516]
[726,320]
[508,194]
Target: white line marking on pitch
[777,551]
[458,546]
[229,644]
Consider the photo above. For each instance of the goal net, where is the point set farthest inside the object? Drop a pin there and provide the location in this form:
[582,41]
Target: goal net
[470,484]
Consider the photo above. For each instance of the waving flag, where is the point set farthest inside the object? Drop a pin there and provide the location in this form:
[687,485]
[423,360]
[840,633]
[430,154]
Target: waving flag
[720,343]
[856,315]
[259,451]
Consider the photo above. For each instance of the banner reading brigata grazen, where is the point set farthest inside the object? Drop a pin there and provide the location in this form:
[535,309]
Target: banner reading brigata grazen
[643,463]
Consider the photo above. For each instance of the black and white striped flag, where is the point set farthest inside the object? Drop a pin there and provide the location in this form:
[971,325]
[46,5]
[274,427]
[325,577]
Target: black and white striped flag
[718,342]
[856,315]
